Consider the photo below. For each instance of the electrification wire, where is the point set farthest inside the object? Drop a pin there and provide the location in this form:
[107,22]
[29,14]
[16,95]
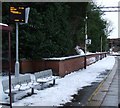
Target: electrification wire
[110,9]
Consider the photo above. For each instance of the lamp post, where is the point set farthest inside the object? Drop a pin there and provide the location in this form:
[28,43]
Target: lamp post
[101,43]
[86,36]
[85,41]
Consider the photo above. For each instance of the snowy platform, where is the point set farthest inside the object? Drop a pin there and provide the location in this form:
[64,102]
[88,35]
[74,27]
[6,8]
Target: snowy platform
[66,86]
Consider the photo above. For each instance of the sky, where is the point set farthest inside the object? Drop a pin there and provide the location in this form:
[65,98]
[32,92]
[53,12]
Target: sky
[65,87]
[111,16]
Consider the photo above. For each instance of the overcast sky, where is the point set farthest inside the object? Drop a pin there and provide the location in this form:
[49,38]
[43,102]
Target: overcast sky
[111,16]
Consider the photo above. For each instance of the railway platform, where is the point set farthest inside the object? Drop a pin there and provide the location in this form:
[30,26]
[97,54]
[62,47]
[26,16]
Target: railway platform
[107,93]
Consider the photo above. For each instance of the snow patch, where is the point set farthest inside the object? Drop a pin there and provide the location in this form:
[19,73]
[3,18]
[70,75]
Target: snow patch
[3,24]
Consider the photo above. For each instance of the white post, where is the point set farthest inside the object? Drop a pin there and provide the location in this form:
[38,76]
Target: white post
[86,34]
[17,62]
[85,41]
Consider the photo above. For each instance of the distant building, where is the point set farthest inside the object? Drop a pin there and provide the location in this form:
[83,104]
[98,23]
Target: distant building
[114,44]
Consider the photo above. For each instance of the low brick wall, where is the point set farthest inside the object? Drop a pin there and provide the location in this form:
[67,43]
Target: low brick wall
[70,65]
[59,66]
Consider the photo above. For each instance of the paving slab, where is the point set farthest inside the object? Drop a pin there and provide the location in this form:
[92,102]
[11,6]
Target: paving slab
[106,94]
[110,100]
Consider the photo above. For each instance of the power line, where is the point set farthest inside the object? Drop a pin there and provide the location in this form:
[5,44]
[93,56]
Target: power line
[110,9]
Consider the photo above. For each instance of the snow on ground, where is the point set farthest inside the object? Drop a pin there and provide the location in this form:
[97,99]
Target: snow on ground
[67,86]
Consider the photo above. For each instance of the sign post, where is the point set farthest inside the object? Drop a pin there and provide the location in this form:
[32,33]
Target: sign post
[18,14]
[17,56]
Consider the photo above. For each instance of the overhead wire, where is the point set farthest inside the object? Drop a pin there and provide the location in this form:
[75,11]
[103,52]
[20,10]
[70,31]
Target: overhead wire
[110,9]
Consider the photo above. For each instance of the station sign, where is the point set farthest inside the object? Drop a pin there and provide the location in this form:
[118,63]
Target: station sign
[88,41]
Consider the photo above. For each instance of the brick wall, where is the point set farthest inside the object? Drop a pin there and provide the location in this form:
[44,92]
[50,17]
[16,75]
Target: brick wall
[59,67]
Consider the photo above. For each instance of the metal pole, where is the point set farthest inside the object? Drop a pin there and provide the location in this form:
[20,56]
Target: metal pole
[101,43]
[86,33]
[10,95]
[17,62]
[85,41]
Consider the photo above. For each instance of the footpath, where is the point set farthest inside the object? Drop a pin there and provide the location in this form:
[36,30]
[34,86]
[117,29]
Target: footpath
[106,95]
